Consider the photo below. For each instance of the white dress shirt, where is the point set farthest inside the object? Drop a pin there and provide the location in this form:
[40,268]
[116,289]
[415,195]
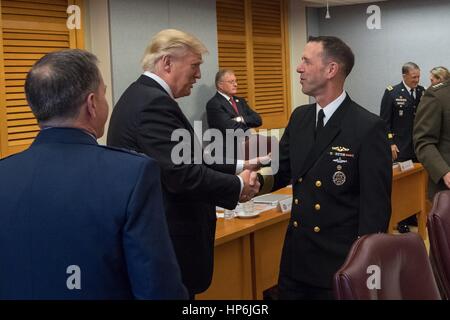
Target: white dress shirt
[330,108]
[160,81]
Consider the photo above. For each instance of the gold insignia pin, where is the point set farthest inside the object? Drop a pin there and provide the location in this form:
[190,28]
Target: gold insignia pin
[340,149]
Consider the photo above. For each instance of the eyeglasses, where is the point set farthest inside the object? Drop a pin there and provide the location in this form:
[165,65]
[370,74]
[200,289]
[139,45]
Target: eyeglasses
[230,81]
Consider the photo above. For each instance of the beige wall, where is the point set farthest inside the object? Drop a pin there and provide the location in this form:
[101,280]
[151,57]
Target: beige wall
[97,41]
[297,38]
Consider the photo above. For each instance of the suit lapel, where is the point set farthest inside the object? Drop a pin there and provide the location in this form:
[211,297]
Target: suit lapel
[408,94]
[143,79]
[227,104]
[327,135]
[304,142]
[239,106]
[419,93]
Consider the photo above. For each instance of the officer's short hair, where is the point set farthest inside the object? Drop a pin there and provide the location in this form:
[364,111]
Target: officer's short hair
[220,74]
[409,66]
[58,83]
[335,48]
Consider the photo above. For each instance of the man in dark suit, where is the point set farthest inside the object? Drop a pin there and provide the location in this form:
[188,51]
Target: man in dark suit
[337,156]
[145,119]
[231,115]
[398,109]
[78,220]
[225,110]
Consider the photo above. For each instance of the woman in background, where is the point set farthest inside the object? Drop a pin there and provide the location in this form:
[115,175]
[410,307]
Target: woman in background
[438,75]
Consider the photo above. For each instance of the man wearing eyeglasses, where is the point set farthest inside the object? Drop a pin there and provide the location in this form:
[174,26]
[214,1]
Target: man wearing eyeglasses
[225,110]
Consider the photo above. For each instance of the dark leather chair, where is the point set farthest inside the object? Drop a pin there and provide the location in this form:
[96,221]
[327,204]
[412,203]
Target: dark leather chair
[386,267]
[439,234]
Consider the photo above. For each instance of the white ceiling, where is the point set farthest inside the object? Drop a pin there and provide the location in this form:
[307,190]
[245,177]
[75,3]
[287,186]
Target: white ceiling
[323,3]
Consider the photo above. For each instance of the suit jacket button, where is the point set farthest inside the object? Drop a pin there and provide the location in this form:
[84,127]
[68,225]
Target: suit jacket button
[295,224]
[296,201]
[317,207]
[318,183]
[316,229]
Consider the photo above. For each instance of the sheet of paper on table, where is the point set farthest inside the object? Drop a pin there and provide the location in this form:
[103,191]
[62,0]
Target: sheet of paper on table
[259,207]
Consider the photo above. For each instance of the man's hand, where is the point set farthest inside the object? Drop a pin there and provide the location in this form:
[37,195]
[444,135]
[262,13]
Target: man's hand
[251,185]
[395,152]
[256,163]
[446,179]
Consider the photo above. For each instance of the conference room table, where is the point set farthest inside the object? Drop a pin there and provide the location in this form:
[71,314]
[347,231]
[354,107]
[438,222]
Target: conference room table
[409,196]
[248,251]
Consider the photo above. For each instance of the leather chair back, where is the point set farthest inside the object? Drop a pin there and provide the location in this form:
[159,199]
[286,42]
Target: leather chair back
[386,267]
[439,234]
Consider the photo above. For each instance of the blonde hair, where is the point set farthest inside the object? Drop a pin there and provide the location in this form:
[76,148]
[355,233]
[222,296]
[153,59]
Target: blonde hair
[440,73]
[170,42]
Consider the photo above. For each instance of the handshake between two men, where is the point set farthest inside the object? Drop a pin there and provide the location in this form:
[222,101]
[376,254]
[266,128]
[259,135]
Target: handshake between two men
[250,177]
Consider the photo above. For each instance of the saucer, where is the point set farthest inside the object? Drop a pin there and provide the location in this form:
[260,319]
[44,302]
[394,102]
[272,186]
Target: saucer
[243,215]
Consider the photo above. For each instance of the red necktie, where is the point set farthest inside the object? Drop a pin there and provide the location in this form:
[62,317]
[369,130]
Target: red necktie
[233,103]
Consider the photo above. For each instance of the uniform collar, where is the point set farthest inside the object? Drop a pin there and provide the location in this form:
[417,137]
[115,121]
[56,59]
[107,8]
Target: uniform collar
[330,108]
[408,88]
[64,135]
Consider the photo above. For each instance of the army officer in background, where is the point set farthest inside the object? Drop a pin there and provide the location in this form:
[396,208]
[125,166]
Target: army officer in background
[432,136]
[398,109]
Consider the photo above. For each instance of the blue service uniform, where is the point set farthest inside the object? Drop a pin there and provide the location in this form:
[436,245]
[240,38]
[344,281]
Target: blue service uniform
[81,221]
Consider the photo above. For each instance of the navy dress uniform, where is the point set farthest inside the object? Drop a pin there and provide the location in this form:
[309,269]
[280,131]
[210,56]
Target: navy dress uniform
[341,184]
[398,109]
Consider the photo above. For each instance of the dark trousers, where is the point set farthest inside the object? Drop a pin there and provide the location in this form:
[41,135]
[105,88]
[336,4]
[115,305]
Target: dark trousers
[291,289]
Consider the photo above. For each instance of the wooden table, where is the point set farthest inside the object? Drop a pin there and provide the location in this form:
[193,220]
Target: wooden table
[409,197]
[248,251]
[247,255]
